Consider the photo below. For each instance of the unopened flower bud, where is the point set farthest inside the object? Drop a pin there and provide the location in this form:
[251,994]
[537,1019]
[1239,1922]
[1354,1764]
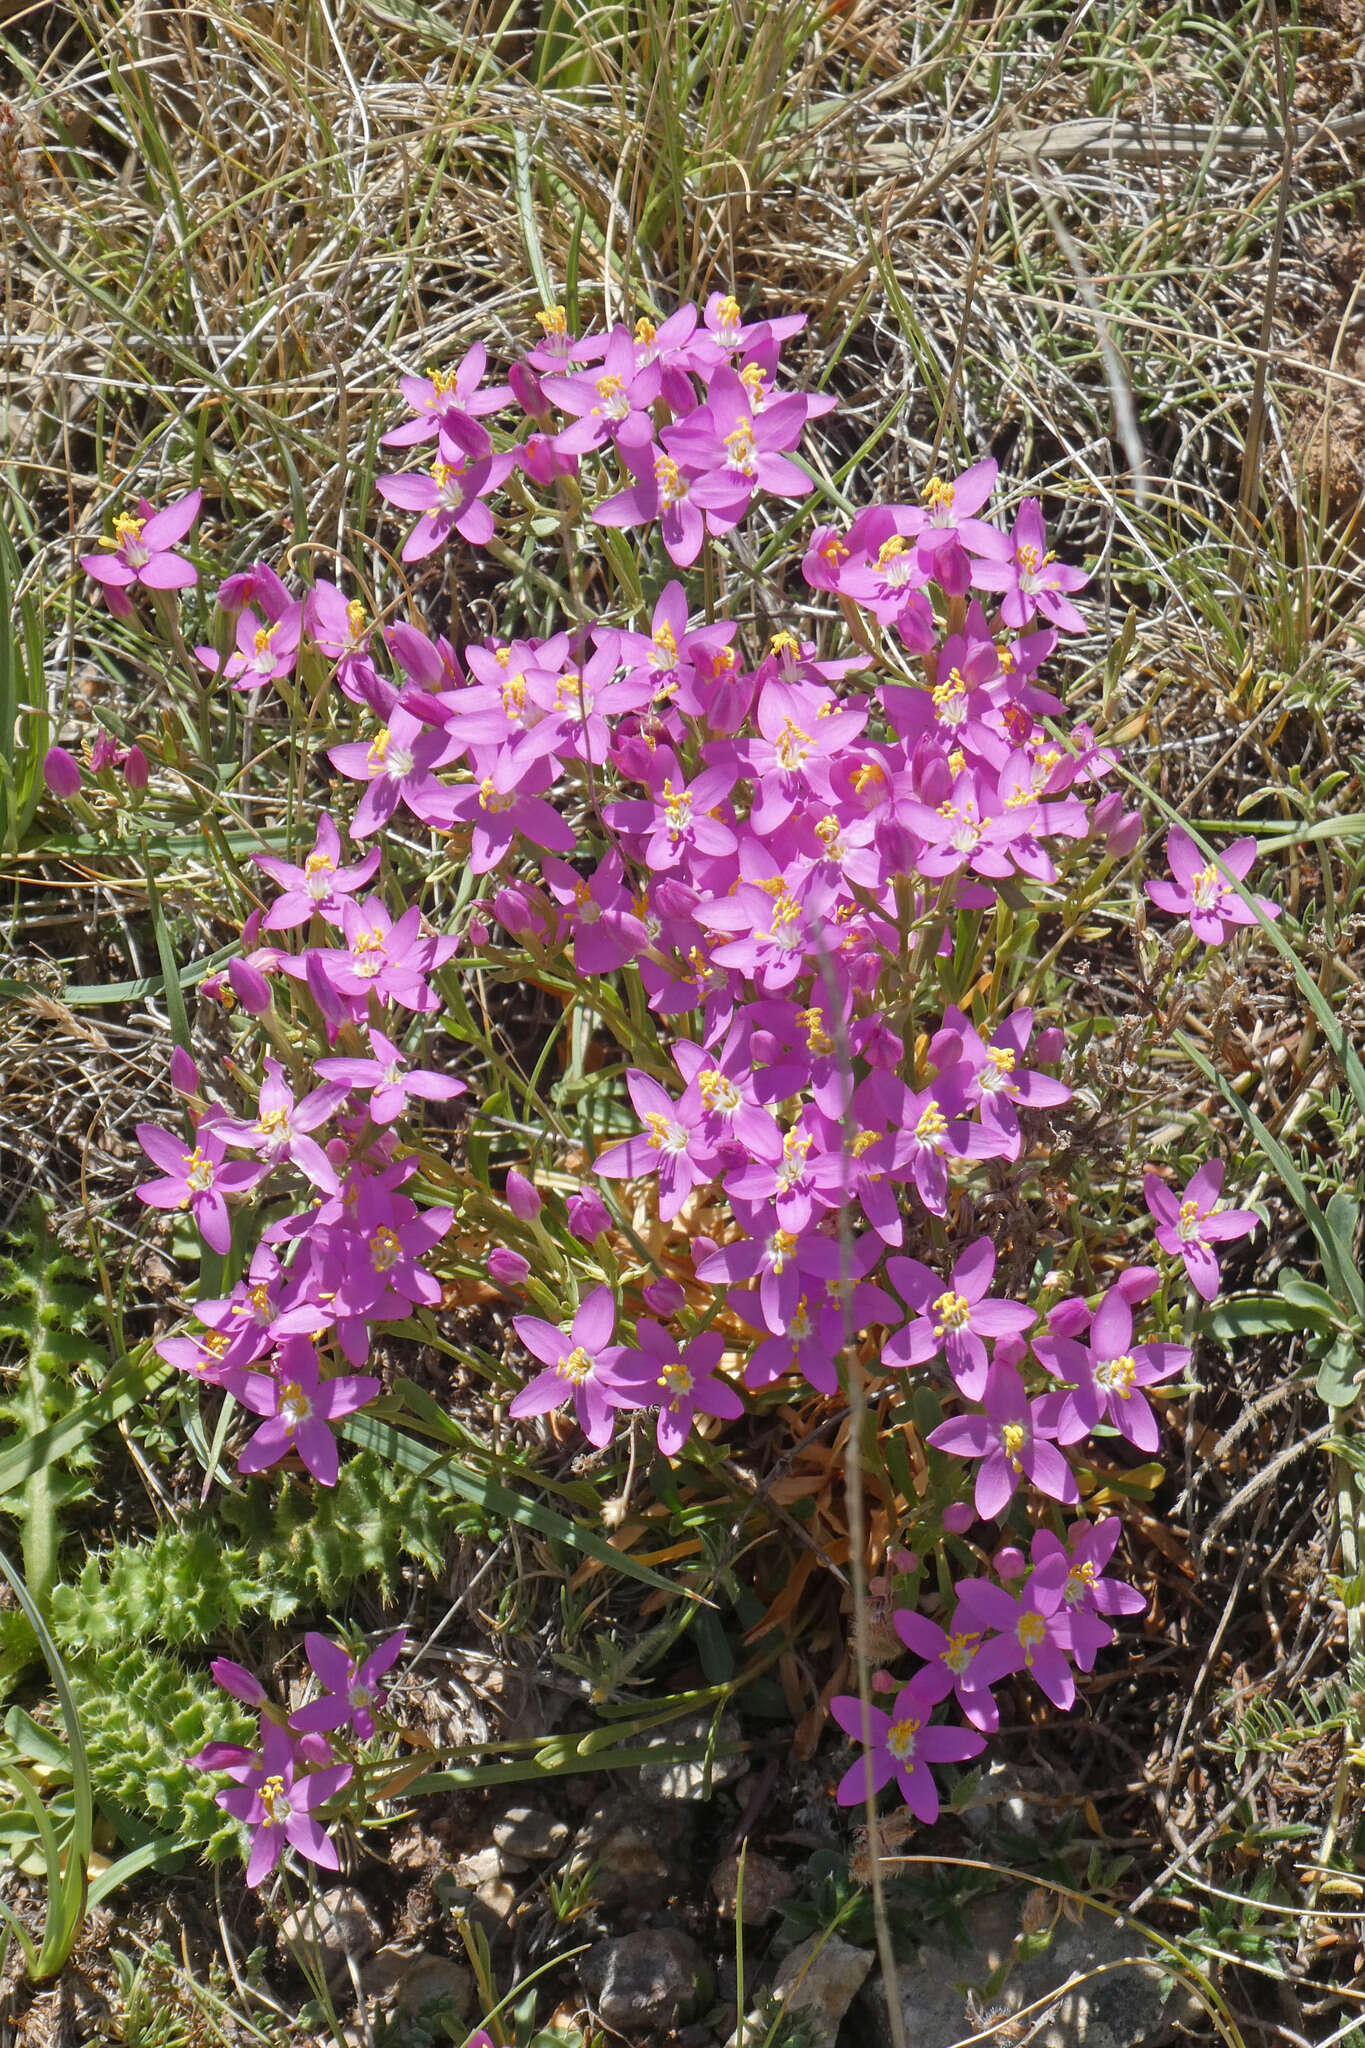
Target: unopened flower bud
[184,1073]
[882,1681]
[241,1683]
[61,772]
[478,931]
[588,1216]
[664,1296]
[958,1517]
[1049,1045]
[1138,1284]
[1009,1561]
[522,1198]
[512,908]
[136,770]
[250,987]
[507,1267]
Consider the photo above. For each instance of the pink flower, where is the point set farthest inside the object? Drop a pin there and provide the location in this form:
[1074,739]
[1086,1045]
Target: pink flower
[299,1407]
[61,772]
[196,1178]
[1013,1440]
[1110,1374]
[276,1800]
[351,1693]
[1186,1228]
[1200,890]
[144,551]
[581,1363]
[1032,580]
[679,1381]
[902,1745]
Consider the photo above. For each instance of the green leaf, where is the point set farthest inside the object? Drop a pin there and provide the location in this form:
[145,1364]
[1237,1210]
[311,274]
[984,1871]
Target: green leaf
[1337,1375]
[1262,1315]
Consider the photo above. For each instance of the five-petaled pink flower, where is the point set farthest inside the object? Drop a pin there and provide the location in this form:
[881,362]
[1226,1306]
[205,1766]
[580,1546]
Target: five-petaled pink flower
[143,551]
[352,1694]
[196,1177]
[1187,1227]
[299,1407]
[1201,891]
[581,1362]
[276,1800]
[902,1745]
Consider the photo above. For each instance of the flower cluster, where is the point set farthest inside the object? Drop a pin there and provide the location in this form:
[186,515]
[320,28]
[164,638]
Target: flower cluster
[279,1786]
[797,857]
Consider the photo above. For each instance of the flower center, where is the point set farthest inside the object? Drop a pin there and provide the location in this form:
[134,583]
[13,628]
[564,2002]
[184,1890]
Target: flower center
[553,323]
[575,1366]
[1030,1631]
[781,1245]
[718,1092]
[1187,1222]
[960,1651]
[677,809]
[355,620]
[360,1698]
[677,1379]
[668,477]
[276,1805]
[645,331]
[740,445]
[295,1406]
[952,1312]
[199,1172]
[664,1134]
[385,1249]
[930,1129]
[379,749]
[1205,888]
[665,646]
[612,392]
[727,319]
[900,1739]
[894,560]
[791,745]
[1014,1436]
[264,636]
[127,537]
[818,1039]
[274,1124]
[317,872]
[1116,1375]
[1079,1582]
[367,952]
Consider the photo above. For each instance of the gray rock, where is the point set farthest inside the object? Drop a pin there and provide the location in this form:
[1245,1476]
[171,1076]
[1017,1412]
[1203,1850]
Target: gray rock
[409,1979]
[638,1857]
[819,1980]
[766,1884]
[1012,1793]
[1117,2003]
[674,1781]
[485,1866]
[525,1832]
[643,1984]
[336,1925]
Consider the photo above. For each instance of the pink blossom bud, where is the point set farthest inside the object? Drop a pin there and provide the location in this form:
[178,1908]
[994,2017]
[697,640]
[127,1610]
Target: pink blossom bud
[882,1681]
[250,987]
[136,770]
[527,391]
[507,1267]
[896,844]
[315,1749]
[588,1216]
[1009,1561]
[1126,835]
[522,1198]
[251,930]
[234,1678]
[61,772]
[664,1296]
[1068,1318]
[184,1073]
[1138,1284]
[904,1560]
[958,1517]
[1049,1045]
[478,932]
[513,910]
